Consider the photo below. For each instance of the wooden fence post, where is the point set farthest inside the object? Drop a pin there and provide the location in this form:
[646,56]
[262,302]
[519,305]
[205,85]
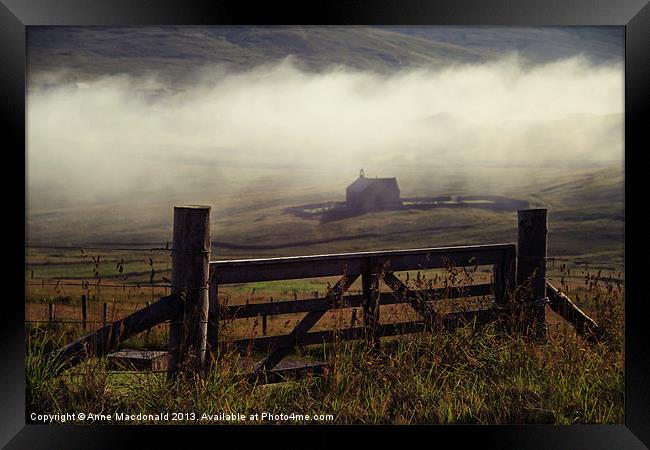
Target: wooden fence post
[190,273]
[370,289]
[84,317]
[105,314]
[50,312]
[531,264]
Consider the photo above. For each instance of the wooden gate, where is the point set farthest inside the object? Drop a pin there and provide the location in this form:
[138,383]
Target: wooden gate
[371,267]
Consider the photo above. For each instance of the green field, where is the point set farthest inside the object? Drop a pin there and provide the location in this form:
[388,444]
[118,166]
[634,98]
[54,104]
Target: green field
[586,215]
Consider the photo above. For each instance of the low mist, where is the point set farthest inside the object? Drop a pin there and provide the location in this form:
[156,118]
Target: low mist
[107,138]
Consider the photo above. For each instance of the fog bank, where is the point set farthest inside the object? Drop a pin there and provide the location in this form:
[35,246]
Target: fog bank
[117,134]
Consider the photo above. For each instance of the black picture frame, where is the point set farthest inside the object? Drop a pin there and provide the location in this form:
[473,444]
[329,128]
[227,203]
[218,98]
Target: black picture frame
[634,15]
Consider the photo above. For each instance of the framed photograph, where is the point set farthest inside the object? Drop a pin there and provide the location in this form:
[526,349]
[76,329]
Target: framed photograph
[334,215]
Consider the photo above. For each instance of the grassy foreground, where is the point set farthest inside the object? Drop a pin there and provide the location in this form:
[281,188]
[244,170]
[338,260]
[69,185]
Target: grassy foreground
[471,375]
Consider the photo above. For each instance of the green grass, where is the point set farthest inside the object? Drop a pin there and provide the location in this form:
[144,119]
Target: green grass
[476,376]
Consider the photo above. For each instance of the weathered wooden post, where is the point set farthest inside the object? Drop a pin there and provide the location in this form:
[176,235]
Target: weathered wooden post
[370,289]
[50,312]
[105,314]
[531,265]
[264,324]
[83,312]
[190,273]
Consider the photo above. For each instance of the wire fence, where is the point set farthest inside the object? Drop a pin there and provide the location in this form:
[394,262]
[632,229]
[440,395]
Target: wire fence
[69,271]
[554,259]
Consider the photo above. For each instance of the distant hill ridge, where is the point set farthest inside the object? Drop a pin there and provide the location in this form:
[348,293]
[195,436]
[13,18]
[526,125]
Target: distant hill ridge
[172,51]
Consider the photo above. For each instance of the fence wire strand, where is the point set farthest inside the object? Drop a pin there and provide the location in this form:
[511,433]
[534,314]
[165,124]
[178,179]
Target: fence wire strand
[576,261]
[92,285]
[91,247]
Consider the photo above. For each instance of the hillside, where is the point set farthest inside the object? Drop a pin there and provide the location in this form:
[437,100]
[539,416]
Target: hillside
[176,53]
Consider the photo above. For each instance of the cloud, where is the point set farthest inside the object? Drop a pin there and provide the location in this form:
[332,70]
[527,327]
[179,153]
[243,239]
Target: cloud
[111,135]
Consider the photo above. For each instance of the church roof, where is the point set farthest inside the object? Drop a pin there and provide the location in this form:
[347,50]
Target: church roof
[362,183]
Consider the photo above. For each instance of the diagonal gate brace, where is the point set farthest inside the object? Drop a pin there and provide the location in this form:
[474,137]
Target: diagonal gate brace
[404,293]
[311,318]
